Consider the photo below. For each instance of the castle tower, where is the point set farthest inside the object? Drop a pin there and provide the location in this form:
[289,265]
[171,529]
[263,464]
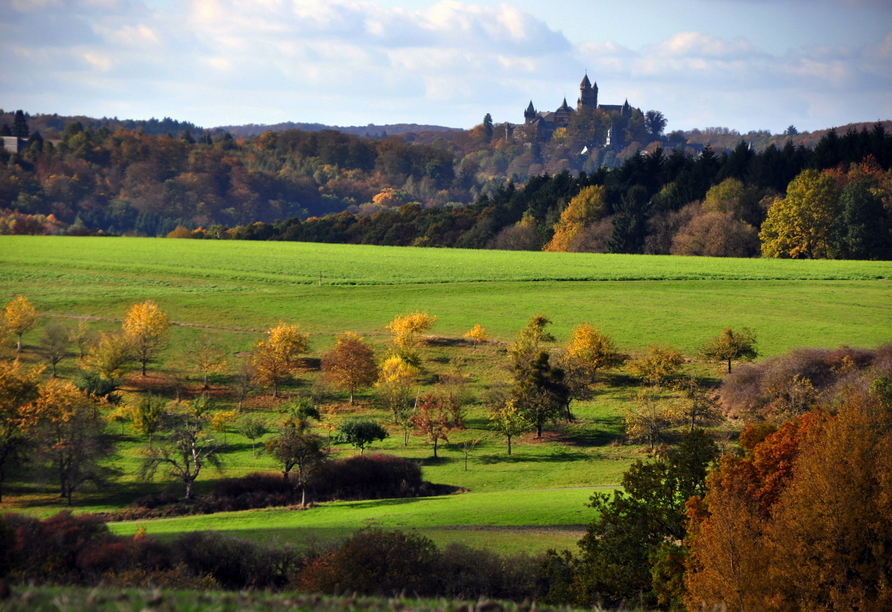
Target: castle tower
[529,115]
[588,94]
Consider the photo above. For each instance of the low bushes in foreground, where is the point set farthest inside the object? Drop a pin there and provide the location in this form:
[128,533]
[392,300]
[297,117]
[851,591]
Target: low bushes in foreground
[80,551]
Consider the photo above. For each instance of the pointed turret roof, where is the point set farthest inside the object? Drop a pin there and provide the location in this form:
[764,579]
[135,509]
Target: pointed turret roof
[531,108]
[564,106]
[585,82]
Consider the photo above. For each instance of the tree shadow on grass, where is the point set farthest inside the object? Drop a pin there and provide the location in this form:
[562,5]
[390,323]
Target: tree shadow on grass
[520,457]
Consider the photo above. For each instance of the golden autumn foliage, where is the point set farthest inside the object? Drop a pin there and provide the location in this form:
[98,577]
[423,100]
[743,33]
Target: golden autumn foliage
[18,317]
[395,384]
[592,347]
[110,355]
[407,328]
[477,334]
[730,345]
[350,365]
[18,389]
[801,225]
[658,364]
[276,357]
[146,327]
[586,208]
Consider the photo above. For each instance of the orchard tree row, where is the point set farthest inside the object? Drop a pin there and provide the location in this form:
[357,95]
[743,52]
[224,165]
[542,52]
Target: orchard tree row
[185,432]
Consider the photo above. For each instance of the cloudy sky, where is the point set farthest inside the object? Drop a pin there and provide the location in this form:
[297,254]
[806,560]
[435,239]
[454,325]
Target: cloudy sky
[742,64]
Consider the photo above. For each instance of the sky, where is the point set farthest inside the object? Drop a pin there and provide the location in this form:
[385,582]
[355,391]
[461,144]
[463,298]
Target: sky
[741,64]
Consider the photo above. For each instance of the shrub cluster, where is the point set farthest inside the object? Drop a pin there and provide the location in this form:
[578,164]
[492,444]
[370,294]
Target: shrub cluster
[80,550]
[376,476]
[786,386]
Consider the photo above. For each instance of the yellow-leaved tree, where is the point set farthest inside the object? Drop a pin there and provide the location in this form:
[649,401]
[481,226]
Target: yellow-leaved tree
[587,207]
[396,387]
[406,329]
[802,225]
[594,349]
[477,334]
[146,327]
[276,357]
[18,317]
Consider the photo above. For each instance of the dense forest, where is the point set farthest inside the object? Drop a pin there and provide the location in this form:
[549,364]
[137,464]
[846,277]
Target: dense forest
[481,188]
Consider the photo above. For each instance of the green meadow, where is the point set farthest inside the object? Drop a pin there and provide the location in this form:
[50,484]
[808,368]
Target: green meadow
[532,500]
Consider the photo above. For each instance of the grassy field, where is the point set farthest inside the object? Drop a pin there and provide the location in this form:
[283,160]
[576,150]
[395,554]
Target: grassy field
[236,290]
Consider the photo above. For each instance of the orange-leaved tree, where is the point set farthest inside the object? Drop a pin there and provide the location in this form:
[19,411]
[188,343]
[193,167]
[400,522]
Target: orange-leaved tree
[146,326]
[18,389]
[276,357]
[350,365]
[435,416]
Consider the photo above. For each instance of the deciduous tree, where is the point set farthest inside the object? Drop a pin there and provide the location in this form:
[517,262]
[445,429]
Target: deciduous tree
[207,357]
[508,421]
[659,364]
[69,436]
[731,345]
[275,358]
[146,326]
[187,448]
[147,416]
[586,208]
[300,451]
[477,334]
[18,317]
[253,429]
[54,344]
[18,389]
[802,224]
[360,433]
[110,355]
[396,385]
[350,365]
[406,329]
[435,415]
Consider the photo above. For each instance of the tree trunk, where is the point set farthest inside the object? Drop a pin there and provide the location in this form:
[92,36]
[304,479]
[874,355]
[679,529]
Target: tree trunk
[18,348]
[509,446]
[729,365]
[143,368]
[435,448]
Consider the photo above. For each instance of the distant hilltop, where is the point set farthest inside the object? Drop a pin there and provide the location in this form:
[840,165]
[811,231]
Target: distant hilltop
[371,129]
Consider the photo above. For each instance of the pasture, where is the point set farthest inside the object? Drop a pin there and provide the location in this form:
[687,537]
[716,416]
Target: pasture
[529,501]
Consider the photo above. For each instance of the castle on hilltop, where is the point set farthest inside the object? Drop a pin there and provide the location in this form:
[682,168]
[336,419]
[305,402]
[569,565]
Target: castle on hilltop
[547,121]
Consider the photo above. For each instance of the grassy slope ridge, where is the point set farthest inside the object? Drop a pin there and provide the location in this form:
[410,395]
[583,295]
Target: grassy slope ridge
[238,289]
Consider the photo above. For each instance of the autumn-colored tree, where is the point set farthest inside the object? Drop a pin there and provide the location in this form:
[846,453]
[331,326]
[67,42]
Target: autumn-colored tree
[147,416]
[350,365]
[18,388]
[110,355]
[435,415]
[732,345]
[659,364]
[508,421]
[18,317]
[207,357]
[802,224]
[477,334]
[275,358]
[221,420]
[396,385]
[587,207]
[715,234]
[406,329]
[594,349]
[187,448]
[146,326]
[68,434]
[54,344]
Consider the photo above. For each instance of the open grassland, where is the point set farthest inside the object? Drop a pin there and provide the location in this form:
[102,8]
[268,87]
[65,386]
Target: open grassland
[529,501]
[247,287]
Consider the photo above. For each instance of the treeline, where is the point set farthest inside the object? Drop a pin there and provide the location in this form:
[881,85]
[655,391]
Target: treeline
[447,189]
[657,203]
